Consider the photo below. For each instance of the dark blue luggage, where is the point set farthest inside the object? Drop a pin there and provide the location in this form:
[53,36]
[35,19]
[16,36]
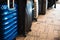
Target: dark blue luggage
[8,22]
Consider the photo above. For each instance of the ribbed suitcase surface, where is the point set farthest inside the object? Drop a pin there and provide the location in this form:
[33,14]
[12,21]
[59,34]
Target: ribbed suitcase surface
[8,22]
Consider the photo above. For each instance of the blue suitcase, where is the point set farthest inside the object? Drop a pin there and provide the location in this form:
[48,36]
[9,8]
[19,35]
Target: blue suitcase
[8,22]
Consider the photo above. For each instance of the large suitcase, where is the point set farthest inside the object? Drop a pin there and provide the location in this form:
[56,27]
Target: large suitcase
[24,16]
[39,6]
[42,7]
[8,20]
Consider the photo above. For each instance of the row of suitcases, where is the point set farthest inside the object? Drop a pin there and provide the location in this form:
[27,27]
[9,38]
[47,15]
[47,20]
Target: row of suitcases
[16,16]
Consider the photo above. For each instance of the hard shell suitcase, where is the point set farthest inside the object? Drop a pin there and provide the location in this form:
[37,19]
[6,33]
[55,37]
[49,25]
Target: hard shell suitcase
[8,20]
[35,10]
[24,16]
[42,7]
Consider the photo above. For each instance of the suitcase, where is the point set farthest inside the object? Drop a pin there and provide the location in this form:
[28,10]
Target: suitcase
[39,6]
[24,16]
[51,3]
[42,7]
[35,10]
[8,21]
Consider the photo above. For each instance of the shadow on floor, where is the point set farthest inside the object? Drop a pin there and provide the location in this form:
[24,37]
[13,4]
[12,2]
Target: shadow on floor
[58,38]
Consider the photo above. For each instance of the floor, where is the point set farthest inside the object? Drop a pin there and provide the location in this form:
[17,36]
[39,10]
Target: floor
[58,1]
[47,27]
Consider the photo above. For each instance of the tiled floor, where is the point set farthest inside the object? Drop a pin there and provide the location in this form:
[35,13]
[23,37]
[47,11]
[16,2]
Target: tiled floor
[47,27]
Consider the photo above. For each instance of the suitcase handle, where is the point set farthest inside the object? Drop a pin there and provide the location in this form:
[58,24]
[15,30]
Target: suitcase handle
[10,4]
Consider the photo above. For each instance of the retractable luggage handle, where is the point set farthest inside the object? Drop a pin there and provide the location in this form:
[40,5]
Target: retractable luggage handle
[10,4]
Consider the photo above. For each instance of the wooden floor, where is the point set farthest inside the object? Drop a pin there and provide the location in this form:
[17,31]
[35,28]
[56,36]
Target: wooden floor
[46,28]
[58,0]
